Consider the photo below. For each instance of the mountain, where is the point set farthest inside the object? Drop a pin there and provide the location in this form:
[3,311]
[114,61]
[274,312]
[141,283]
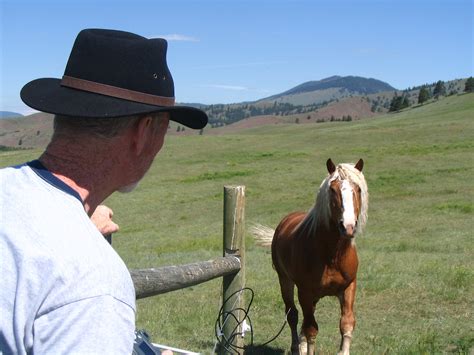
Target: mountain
[305,98]
[330,89]
[355,84]
[8,114]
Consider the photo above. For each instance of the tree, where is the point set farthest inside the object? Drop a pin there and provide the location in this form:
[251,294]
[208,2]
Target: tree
[469,86]
[439,89]
[406,102]
[423,95]
[399,103]
[396,103]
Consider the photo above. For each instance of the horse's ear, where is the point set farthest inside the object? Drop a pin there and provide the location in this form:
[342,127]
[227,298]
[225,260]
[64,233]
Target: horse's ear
[330,165]
[360,165]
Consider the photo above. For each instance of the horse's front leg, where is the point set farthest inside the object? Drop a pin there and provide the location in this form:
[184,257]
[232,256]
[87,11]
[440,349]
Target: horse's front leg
[347,323]
[287,287]
[309,329]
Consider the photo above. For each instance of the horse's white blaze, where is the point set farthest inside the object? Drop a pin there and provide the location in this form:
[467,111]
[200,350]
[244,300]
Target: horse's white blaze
[348,215]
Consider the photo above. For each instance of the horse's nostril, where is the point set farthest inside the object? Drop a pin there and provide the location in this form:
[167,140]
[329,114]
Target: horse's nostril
[342,228]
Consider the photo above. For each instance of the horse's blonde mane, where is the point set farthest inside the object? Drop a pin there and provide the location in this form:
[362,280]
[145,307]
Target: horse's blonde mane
[320,213]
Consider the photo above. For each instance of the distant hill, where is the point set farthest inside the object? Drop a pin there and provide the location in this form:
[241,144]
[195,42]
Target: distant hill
[353,84]
[301,100]
[31,131]
[327,90]
[8,114]
[307,97]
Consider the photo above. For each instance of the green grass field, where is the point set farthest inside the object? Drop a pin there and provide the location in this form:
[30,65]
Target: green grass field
[416,277]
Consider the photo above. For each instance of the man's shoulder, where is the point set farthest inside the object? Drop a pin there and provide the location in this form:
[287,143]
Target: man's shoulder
[12,175]
[49,235]
[20,184]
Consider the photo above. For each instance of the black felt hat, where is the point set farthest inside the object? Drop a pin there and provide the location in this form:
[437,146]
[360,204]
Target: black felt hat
[112,74]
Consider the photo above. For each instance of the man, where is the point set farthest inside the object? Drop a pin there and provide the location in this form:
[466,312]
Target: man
[64,289]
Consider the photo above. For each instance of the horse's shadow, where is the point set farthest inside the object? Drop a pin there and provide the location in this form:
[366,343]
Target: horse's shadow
[262,350]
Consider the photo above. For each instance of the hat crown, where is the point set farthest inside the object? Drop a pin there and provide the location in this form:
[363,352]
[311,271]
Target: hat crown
[121,59]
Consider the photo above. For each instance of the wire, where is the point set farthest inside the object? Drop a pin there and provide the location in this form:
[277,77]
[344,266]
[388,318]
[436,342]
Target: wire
[224,316]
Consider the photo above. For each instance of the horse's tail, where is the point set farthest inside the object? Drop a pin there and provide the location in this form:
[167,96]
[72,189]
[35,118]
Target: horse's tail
[263,235]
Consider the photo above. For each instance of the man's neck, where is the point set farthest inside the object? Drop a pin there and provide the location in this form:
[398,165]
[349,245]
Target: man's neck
[87,172]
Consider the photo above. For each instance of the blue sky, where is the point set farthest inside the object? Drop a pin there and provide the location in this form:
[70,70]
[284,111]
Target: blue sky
[234,51]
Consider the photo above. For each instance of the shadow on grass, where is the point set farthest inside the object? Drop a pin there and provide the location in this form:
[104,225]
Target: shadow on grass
[263,350]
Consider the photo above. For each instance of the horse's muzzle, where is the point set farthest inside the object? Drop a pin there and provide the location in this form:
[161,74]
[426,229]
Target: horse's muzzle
[346,231]
[350,229]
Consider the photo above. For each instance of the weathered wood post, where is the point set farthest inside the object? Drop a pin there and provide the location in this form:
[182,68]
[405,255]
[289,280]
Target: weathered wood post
[234,245]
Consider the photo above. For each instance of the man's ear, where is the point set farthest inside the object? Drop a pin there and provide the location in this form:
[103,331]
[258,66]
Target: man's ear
[141,133]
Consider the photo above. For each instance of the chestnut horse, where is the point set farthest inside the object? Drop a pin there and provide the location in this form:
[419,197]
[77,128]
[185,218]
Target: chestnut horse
[316,252]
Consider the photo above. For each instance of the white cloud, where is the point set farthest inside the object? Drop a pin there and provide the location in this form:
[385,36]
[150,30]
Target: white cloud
[239,65]
[177,37]
[226,87]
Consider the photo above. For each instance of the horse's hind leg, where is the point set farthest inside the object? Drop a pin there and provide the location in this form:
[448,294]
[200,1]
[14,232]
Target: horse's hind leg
[347,323]
[287,288]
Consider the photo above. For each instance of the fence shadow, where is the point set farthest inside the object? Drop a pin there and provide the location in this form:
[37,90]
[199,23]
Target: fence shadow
[263,350]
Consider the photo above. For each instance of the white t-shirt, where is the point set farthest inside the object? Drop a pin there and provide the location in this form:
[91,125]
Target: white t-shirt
[63,288]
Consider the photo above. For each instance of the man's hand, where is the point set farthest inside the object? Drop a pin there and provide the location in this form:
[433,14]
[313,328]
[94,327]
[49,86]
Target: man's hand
[102,218]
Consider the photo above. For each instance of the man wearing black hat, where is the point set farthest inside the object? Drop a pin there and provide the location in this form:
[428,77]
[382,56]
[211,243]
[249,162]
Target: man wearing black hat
[64,289]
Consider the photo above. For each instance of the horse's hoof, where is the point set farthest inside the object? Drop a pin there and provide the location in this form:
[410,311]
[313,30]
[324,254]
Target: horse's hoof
[295,349]
[303,349]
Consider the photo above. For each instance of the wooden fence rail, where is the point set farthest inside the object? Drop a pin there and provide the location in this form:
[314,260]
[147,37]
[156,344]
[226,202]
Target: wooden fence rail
[155,281]
[151,282]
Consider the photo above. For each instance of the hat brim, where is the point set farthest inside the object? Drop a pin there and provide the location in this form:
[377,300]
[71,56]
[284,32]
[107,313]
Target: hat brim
[47,95]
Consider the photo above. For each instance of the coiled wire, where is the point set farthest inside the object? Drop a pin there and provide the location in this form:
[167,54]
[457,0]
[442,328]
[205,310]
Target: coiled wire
[223,317]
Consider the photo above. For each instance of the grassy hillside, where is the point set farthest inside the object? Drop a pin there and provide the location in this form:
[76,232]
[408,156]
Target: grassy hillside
[416,280]
[34,131]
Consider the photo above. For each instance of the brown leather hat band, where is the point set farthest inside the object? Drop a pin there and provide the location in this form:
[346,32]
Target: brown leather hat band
[115,91]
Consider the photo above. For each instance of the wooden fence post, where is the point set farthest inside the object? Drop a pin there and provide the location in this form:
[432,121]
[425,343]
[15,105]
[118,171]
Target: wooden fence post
[234,244]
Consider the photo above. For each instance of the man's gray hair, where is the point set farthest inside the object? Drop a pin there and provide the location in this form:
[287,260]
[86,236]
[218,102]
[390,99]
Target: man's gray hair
[98,127]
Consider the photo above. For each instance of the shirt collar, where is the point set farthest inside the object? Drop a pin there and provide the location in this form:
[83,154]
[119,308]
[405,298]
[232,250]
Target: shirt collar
[48,176]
